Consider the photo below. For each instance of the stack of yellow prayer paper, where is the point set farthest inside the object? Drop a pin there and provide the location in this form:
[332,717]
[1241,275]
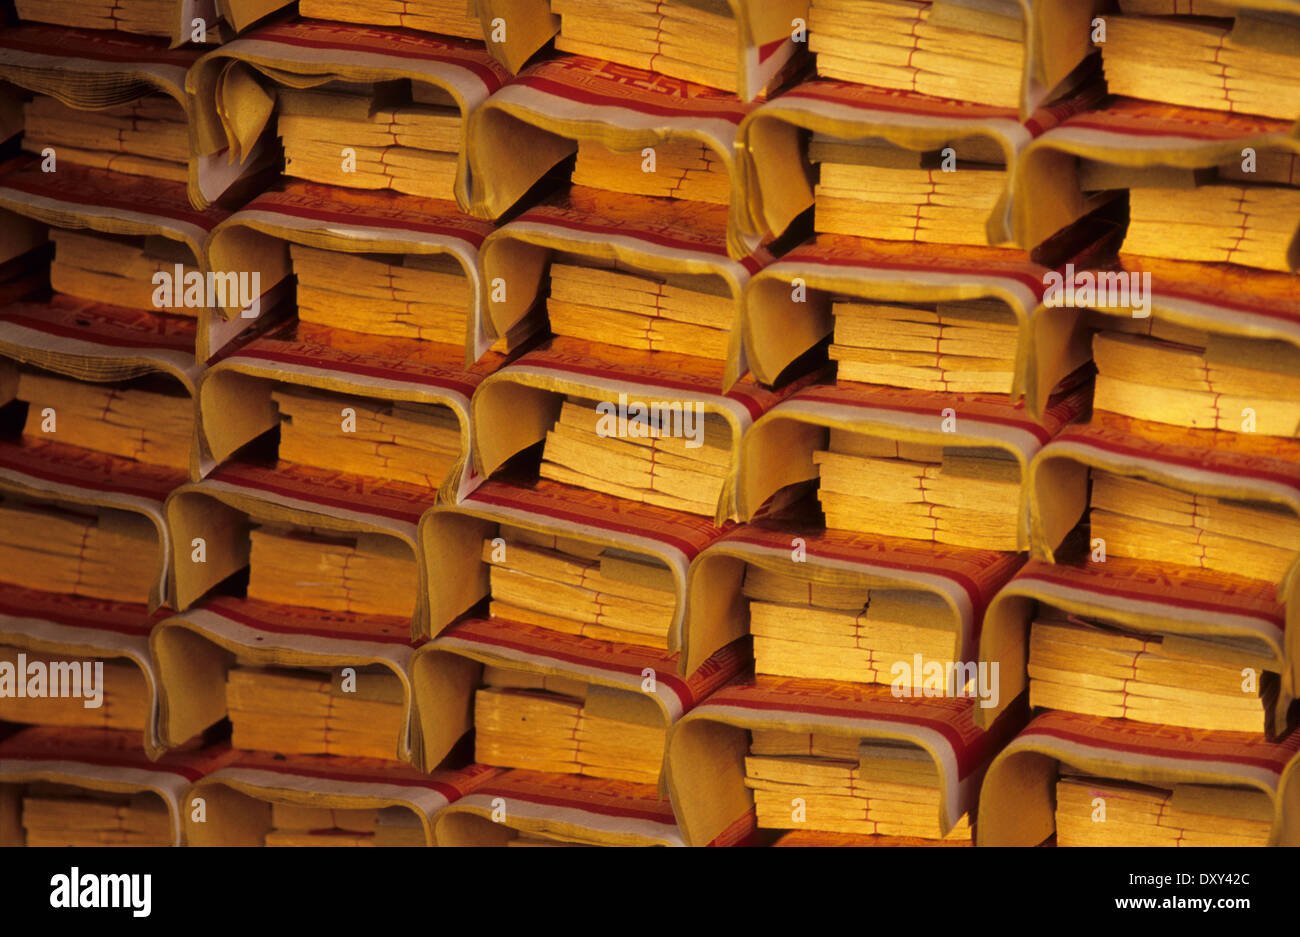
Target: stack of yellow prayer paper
[1251,66]
[61,815]
[406,442]
[678,458]
[1147,520]
[368,138]
[579,588]
[425,296]
[685,315]
[562,726]
[148,137]
[149,419]
[1164,679]
[961,496]
[449,17]
[100,554]
[838,785]
[365,574]
[1139,815]
[308,712]
[1151,370]
[967,51]
[822,632]
[123,697]
[963,346]
[696,40]
[877,190]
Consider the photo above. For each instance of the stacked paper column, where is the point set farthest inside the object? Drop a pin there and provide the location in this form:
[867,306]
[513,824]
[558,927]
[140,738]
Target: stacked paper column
[545,422]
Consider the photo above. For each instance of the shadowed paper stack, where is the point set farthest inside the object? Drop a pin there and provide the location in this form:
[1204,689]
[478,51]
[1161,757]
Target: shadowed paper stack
[308,712]
[564,726]
[119,271]
[124,701]
[148,137]
[681,169]
[1147,520]
[62,815]
[672,37]
[294,825]
[1153,370]
[1250,66]
[448,17]
[1100,670]
[99,553]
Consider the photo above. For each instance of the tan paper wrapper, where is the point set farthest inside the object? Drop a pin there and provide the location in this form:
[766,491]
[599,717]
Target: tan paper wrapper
[1016,804]
[1129,132]
[1157,598]
[718,612]
[98,760]
[194,651]
[238,797]
[778,450]
[98,343]
[234,86]
[656,236]
[707,748]
[257,238]
[44,469]
[91,69]
[673,538]
[514,407]
[536,121]
[446,671]
[771,147]
[74,626]
[777,330]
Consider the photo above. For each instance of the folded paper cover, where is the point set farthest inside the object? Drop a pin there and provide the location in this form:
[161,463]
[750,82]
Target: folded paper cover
[780,325]
[779,449]
[352,221]
[235,85]
[44,469]
[1141,595]
[195,651]
[777,176]
[1016,804]
[639,233]
[86,69]
[444,680]
[555,107]
[1136,135]
[707,748]
[518,405]
[965,580]
[108,760]
[79,627]
[239,797]
[458,576]
[219,510]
